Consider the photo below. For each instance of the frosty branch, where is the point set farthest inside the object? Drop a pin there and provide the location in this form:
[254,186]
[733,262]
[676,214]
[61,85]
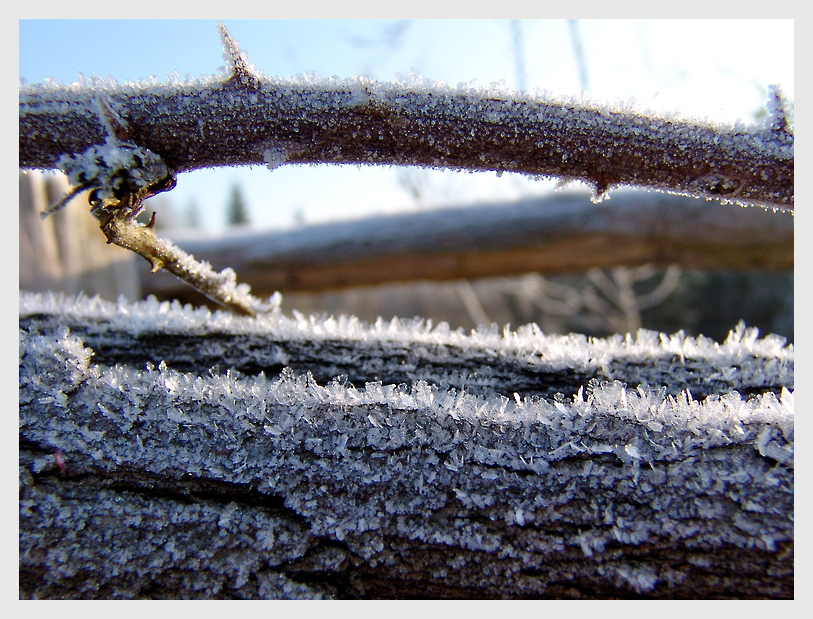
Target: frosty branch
[121,229]
[121,176]
[247,118]
[237,484]
[126,143]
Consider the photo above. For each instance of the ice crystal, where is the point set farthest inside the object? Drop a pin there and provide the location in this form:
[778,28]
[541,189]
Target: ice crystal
[110,165]
[274,157]
[370,464]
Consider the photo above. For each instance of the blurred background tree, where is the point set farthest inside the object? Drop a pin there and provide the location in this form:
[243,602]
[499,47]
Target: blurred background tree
[237,211]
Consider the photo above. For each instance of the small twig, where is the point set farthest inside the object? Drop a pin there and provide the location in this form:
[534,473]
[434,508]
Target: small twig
[122,175]
[60,204]
[121,229]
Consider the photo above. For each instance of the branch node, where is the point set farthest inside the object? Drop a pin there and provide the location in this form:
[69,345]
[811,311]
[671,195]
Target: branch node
[601,191]
[715,184]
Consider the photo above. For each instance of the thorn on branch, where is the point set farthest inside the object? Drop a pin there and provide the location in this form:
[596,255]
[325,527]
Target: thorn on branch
[116,126]
[778,120]
[236,61]
[601,191]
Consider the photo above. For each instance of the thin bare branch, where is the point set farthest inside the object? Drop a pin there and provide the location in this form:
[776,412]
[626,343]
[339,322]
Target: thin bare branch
[122,175]
[664,288]
[123,230]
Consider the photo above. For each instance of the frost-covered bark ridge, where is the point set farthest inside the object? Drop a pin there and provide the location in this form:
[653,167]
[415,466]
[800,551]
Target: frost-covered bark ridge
[247,118]
[178,479]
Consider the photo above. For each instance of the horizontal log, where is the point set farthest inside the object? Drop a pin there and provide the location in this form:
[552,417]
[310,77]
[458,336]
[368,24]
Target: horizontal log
[562,233]
[183,480]
[406,351]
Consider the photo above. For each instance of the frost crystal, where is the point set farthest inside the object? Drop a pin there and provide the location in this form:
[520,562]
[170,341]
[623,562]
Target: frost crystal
[430,457]
[112,167]
[274,157]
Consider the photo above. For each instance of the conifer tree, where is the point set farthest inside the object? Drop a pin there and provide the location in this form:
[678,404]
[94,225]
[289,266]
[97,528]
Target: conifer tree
[237,212]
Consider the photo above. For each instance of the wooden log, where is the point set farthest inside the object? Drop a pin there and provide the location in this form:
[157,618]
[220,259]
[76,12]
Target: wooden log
[161,476]
[563,233]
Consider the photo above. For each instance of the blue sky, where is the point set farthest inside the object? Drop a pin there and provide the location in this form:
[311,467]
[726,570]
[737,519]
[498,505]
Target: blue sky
[715,68]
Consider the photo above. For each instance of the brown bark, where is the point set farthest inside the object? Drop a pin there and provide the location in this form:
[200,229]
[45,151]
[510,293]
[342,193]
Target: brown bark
[247,119]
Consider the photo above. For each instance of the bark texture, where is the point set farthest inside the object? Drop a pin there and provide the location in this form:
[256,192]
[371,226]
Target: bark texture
[148,472]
